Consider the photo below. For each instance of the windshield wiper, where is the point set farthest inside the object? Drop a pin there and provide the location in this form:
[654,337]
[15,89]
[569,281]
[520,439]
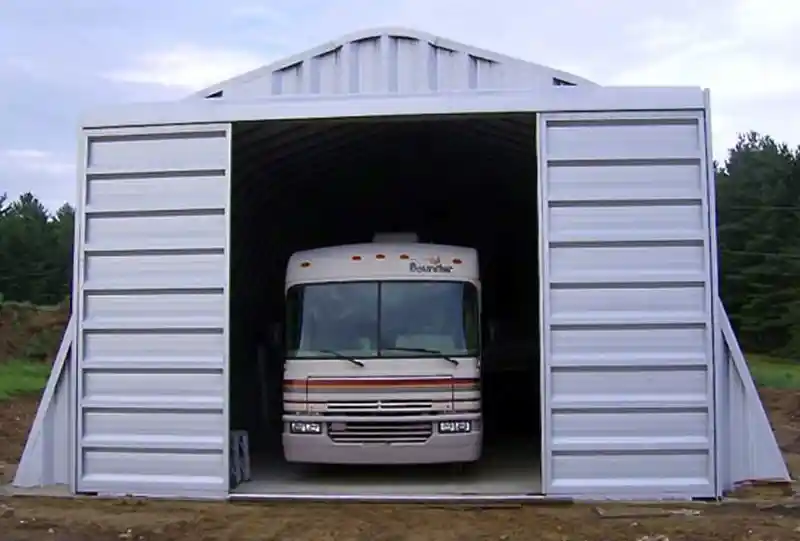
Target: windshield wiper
[342,356]
[426,350]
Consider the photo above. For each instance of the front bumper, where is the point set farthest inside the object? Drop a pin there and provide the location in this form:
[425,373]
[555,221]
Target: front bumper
[438,449]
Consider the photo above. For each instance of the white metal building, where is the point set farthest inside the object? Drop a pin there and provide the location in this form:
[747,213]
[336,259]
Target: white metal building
[645,392]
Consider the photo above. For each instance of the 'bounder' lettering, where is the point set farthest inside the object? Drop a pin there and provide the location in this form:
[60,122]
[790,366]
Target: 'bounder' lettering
[426,269]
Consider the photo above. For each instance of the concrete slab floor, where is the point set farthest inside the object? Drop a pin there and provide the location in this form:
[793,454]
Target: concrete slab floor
[507,469]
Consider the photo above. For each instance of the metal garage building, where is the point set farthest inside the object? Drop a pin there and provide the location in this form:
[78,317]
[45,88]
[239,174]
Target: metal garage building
[138,401]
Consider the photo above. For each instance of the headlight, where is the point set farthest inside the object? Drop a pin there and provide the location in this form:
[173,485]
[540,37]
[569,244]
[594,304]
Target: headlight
[454,427]
[300,427]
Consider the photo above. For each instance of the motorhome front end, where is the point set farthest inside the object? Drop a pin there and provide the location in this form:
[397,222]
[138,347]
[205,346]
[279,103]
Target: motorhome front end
[382,355]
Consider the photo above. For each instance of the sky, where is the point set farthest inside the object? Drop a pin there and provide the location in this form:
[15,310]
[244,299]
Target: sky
[60,59]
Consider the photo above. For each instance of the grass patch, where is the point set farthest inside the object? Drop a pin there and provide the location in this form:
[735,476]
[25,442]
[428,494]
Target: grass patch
[774,372]
[22,377]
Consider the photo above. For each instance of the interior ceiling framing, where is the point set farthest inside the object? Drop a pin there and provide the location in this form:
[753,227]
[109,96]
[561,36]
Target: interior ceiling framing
[313,152]
[305,184]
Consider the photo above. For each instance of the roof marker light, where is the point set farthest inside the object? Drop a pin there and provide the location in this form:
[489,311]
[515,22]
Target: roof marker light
[356,258]
[380,256]
[404,256]
[457,261]
[305,264]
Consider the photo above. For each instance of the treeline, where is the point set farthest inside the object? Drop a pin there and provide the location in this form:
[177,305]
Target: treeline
[35,251]
[758,222]
[758,215]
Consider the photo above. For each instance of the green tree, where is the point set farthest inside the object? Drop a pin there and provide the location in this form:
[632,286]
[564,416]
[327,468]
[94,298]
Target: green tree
[758,212]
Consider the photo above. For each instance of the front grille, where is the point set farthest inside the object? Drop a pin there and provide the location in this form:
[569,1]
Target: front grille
[380,432]
[376,408]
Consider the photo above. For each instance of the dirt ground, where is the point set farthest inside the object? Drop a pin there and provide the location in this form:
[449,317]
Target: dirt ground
[29,519]
[783,407]
[16,417]
[35,519]
[77,520]
[31,332]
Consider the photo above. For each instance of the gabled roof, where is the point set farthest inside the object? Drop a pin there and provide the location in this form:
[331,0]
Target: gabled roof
[390,60]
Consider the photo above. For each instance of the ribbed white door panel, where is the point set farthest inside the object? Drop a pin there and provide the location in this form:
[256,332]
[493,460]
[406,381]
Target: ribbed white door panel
[626,306]
[151,293]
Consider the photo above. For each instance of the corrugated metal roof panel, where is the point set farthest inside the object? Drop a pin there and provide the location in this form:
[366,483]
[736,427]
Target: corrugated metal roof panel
[389,61]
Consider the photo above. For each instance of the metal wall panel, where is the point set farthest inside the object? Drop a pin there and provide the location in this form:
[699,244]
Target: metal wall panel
[626,306]
[151,382]
[749,450]
[198,191]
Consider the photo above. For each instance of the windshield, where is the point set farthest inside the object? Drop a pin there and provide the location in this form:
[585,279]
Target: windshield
[382,319]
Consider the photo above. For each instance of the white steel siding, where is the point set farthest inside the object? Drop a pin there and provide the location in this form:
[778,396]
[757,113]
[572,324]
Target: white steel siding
[626,305]
[152,312]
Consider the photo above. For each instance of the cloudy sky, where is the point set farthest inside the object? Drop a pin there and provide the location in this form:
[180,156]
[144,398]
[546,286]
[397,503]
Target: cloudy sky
[59,59]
